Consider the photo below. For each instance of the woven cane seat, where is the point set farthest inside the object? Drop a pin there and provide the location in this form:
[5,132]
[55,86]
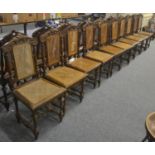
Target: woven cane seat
[145,33]
[65,76]
[141,36]
[38,92]
[134,38]
[122,45]
[84,64]
[99,56]
[112,49]
[150,124]
[129,41]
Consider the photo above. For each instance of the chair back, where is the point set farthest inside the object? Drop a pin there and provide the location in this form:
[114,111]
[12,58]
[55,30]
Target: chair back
[37,35]
[72,41]
[20,60]
[122,25]
[51,48]
[114,30]
[140,20]
[88,36]
[128,25]
[135,24]
[103,34]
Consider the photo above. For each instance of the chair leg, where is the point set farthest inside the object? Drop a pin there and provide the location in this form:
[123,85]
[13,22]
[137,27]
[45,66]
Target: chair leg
[6,103]
[133,53]
[149,41]
[62,108]
[110,68]
[146,45]
[145,138]
[129,55]
[96,77]
[64,104]
[35,130]
[120,63]
[17,110]
[141,47]
[82,91]
[99,75]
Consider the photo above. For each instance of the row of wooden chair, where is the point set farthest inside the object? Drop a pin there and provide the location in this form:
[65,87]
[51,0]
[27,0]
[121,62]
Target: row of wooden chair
[56,62]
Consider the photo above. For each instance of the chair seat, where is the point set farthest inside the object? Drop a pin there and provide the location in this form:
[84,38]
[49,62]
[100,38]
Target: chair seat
[145,33]
[112,50]
[99,56]
[129,41]
[134,38]
[36,93]
[123,45]
[84,64]
[65,76]
[141,36]
[150,124]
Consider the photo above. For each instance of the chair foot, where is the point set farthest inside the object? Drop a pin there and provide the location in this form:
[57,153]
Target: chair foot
[145,138]
[36,135]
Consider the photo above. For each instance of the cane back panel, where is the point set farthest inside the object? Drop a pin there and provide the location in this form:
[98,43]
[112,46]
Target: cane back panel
[103,32]
[114,34]
[135,23]
[72,42]
[89,36]
[129,25]
[23,60]
[114,30]
[53,49]
[19,57]
[122,27]
[140,19]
